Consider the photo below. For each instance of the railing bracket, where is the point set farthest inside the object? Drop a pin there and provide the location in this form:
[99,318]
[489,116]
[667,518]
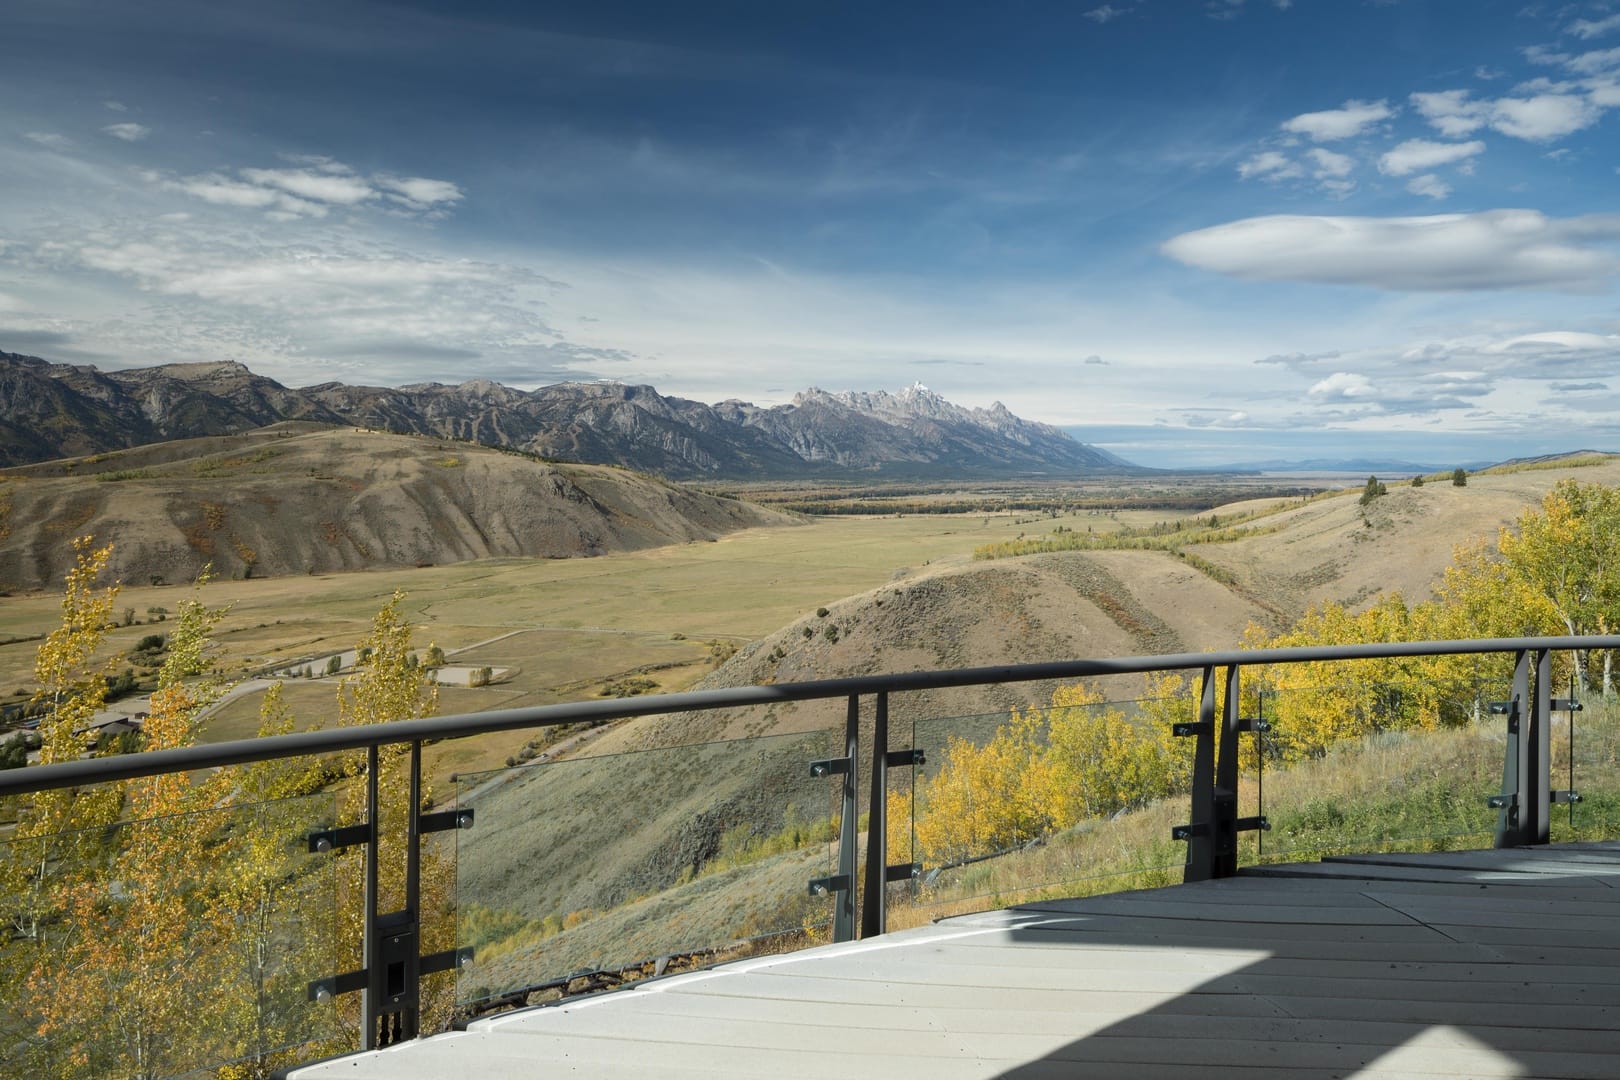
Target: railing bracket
[448,960]
[1563,798]
[1497,802]
[332,839]
[324,990]
[1253,723]
[829,766]
[906,871]
[445,819]
[1187,832]
[895,759]
[1259,823]
[823,886]
[1182,731]
[1563,704]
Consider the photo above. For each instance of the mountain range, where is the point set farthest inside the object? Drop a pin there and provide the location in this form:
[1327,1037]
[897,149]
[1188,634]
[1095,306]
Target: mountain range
[50,411]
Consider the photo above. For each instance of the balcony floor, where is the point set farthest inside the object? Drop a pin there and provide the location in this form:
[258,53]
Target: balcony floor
[1465,964]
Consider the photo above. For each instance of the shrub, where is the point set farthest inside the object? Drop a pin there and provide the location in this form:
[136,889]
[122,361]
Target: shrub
[1459,477]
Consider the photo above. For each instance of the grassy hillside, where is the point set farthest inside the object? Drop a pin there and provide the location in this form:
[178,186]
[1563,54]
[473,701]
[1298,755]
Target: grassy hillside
[1391,792]
[305,499]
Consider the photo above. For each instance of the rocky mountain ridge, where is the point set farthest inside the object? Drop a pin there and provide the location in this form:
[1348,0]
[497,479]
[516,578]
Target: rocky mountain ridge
[49,411]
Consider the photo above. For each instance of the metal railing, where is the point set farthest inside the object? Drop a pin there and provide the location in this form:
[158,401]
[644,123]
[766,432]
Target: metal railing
[393,964]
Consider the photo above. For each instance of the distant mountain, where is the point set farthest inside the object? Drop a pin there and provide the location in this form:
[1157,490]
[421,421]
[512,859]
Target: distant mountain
[60,410]
[1334,465]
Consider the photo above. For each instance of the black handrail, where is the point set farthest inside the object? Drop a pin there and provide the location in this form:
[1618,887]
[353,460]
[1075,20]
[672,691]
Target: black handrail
[1211,834]
[458,726]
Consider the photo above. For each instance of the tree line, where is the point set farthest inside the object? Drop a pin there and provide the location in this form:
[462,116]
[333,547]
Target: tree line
[163,924]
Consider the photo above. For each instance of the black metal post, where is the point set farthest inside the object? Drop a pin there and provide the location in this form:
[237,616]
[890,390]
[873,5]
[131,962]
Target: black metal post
[411,1012]
[1516,758]
[1224,801]
[1199,836]
[844,896]
[371,996]
[874,907]
[1535,814]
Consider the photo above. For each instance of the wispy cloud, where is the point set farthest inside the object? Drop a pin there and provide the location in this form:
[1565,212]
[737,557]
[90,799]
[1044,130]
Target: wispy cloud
[324,187]
[1415,155]
[1591,28]
[1270,165]
[1349,120]
[1544,117]
[129,132]
[1105,14]
[1539,117]
[313,190]
[1226,10]
[1494,249]
[1428,185]
[50,140]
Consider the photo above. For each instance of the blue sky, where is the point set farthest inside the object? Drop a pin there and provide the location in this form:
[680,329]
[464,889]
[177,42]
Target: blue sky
[1195,231]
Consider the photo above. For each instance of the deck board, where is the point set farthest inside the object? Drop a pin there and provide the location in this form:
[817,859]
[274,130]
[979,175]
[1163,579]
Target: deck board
[1456,964]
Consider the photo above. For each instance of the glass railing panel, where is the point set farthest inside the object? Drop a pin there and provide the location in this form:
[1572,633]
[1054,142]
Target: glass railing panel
[164,946]
[1372,763]
[1585,749]
[1042,802]
[586,872]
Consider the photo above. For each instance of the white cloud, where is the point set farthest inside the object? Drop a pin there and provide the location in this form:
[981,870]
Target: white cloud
[237,291]
[224,191]
[1428,185]
[1550,111]
[1591,28]
[420,191]
[116,106]
[1493,249]
[1104,14]
[1595,62]
[1559,339]
[1451,112]
[313,190]
[1604,93]
[1347,121]
[1592,63]
[1543,117]
[49,140]
[1270,165]
[316,186]
[1330,165]
[129,132]
[1342,386]
[1414,155]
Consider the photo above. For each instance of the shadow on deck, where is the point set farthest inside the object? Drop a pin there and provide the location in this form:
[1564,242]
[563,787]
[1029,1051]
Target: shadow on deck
[1502,963]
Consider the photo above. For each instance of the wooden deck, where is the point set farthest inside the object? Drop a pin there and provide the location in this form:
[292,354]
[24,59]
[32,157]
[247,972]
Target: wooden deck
[1468,964]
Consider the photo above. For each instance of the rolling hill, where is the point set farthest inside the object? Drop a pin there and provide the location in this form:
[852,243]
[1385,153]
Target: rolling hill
[300,498]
